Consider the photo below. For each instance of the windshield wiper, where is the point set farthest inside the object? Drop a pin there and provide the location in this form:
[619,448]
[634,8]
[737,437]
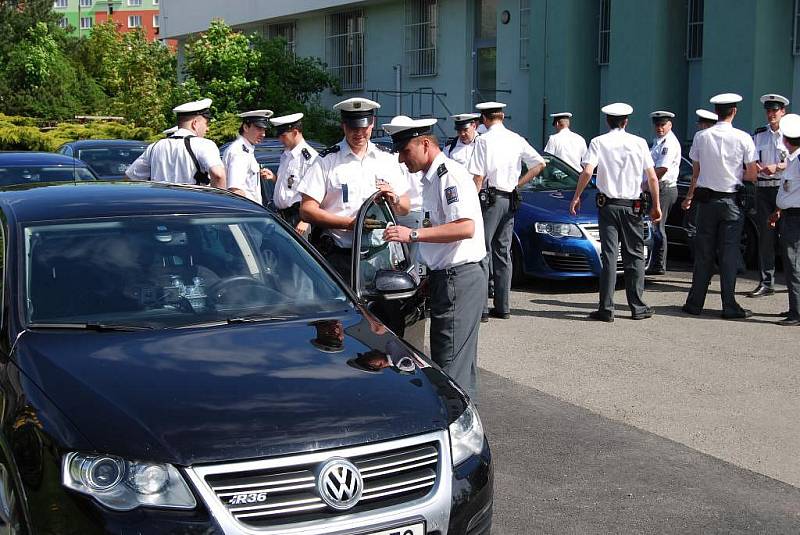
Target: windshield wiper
[254,318]
[90,326]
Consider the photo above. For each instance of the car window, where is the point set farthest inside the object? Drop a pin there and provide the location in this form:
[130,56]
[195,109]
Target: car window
[34,174]
[171,271]
[555,176]
[111,161]
[376,253]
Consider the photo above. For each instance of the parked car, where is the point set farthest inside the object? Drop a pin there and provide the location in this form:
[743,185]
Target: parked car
[41,167]
[108,158]
[548,241]
[178,360]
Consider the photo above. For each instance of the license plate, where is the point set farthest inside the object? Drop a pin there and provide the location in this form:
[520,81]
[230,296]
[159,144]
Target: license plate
[412,529]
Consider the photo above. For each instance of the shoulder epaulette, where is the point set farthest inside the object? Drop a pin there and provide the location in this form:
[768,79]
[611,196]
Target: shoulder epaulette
[333,149]
[384,149]
[244,148]
[306,154]
[759,130]
[441,170]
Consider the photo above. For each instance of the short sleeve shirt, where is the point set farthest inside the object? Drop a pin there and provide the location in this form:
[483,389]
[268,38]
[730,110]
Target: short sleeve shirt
[448,194]
[498,157]
[789,190]
[340,182]
[666,152]
[461,152]
[292,170]
[568,146]
[621,159]
[722,151]
[242,169]
[167,160]
[770,150]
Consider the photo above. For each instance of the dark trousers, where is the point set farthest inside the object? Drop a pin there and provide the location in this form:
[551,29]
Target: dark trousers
[719,229]
[457,298]
[765,205]
[667,195]
[621,230]
[790,245]
[498,227]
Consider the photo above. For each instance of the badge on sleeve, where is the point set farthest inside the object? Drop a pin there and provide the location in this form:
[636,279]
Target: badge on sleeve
[451,194]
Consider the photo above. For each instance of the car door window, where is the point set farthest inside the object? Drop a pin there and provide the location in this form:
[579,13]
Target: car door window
[555,176]
[375,253]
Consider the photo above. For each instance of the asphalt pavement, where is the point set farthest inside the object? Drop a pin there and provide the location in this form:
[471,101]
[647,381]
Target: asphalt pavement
[675,424]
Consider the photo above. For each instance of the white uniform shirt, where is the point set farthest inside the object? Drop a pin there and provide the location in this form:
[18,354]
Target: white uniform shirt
[722,150]
[666,152]
[789,191]
[414,188]
[498,157]
[242,168]
[770,150]
[568,146]
[621,160]
[294,165]
[448,194]
[167,160]
[340,182]
[461,153]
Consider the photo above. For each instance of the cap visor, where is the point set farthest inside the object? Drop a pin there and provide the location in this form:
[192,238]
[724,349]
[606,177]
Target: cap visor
[358,122]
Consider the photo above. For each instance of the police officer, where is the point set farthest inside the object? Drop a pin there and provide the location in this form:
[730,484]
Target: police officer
[344,177]
[297,158]
[244,172]
[496,165]
[565,143]
[621,159]
[185,157]
[451,245]
[666,154]
[461,147]
[169,131]
[705,119]
[772,155]
[719,155]
[788,211]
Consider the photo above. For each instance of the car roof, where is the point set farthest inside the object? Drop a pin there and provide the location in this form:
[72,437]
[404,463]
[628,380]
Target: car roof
[93,143]
[22,159]
[90,200]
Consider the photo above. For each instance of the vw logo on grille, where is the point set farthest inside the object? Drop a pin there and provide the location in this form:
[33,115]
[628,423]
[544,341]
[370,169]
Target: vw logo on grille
[340,484]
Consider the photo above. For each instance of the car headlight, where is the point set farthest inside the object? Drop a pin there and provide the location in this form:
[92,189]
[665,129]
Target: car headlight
[123,485]
[466,435]
[558,230]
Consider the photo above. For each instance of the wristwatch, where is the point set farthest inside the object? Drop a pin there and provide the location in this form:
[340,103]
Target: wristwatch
[414,235]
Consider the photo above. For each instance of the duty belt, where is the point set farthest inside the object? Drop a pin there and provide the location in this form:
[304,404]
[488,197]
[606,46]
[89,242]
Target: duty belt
[621,202]
[791,211]
[768,183]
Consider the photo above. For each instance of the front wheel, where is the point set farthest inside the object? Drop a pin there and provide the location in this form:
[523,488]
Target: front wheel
[517,267]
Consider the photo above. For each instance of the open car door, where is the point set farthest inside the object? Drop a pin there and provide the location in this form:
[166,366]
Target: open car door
[383,275]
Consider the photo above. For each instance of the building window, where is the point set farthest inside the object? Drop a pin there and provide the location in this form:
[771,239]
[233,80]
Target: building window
[604,33]
[155,21]
[134,21]
[524,32]
[134,3]
[420,36]
[694,30]
[60,4]
[344,48]
[86,23]
[796,40]
[63,22]
[85,3]
[285,30]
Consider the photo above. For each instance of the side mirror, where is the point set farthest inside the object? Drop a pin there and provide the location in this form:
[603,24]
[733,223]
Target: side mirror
[394,284]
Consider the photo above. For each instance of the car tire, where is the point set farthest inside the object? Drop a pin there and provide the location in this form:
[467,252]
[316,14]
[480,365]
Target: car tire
[518,277]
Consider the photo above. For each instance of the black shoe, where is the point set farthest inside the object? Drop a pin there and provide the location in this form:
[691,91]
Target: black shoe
[689,309]
[499,315]
[655,271]
[785,313]
[484,318]
[761,291]
[739,314]
[791,321]
[601,315]
[644,315]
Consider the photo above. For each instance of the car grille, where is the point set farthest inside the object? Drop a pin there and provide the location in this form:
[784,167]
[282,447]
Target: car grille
[288,494]
[570,262]
[593,231]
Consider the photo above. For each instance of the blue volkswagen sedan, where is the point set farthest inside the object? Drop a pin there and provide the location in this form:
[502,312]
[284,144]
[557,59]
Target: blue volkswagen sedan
[549,242]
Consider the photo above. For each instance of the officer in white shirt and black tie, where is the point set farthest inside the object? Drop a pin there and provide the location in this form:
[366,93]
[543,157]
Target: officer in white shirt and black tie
[788,212]
[451,245]
[666,154]
[297,158]
[344,176]
[461,147]
[243,171]
[772,156]
[496,165]
[719,154]
[621,160]
[565,143]
[185,157]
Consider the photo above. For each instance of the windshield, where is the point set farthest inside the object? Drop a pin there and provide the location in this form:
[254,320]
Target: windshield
[555,176]
[33,174]
[110,161]
[171,271]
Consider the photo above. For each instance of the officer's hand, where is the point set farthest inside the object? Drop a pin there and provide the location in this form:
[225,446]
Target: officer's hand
[575,205]
[655,214]
[266,174]
[773,218]
[687,203]
[397,233]
[302,227]
[769,169]
[388,193]
[372,224]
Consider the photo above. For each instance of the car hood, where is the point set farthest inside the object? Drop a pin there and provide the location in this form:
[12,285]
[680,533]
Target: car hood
[554,205]
[211,394]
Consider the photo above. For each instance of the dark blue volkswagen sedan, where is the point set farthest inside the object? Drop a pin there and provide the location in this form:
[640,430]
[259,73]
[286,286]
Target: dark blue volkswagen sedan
[41,167]
[108,158]
[177,360]
[551,243]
